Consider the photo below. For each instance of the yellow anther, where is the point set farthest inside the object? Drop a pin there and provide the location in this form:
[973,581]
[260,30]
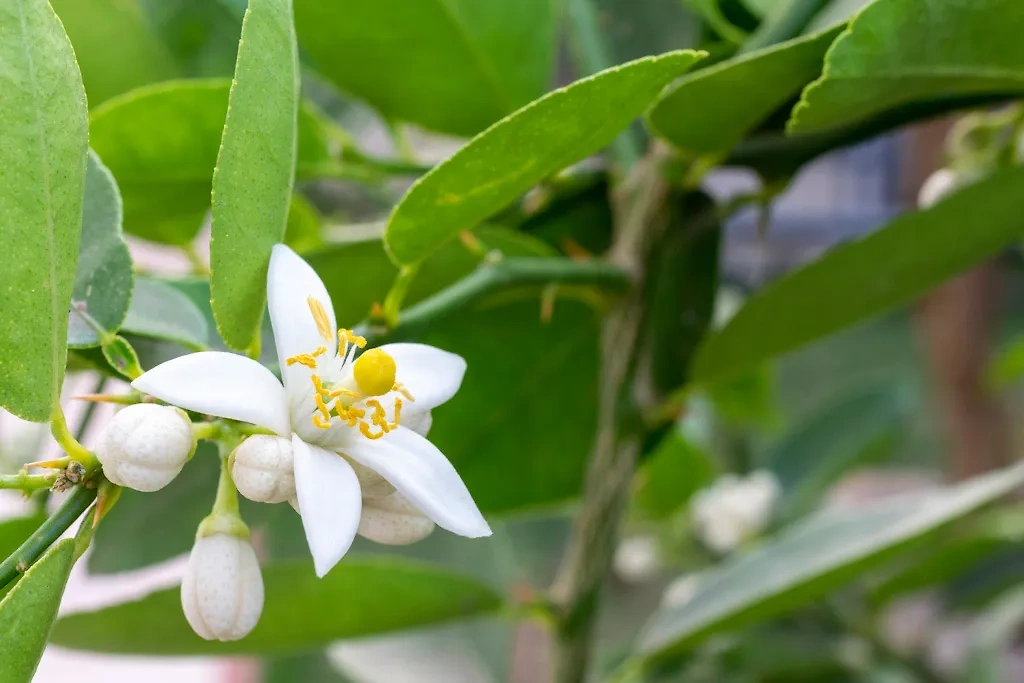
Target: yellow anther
[364,428]
[320,350]
[318,384]
[350,337]
[398,411]
[335,393]
[400,388]
[320,422]
[323,322]
[322,407]
[374,372]
[306,359]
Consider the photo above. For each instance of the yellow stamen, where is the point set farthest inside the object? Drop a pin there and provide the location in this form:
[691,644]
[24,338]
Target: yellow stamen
[322,407]
[400,388]
[323,322]
[335,393]
[306,359]
[364,428]
[350,337]
[320,350]
[319,422]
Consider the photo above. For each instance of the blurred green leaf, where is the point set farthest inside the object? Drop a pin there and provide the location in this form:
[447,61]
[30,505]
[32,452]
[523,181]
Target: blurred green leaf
[506,160]
[104,278]
[861,428]
[42,180]
[992,639]
[202,35]
[28,611]
[116,49]
[520,428]
[309,668]
[637,29]
[709,111]
[161,311]
[812,558]
[302,232]
[902,51]
[358,274]
[360,597]
[834,12]
[161,143]
[870,276]
[14,532]
[252,183]
[413,59]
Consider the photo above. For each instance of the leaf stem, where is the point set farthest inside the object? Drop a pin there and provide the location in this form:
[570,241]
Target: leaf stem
[67,441]
[396,295]
[499,275]
[23,481]
[48,532]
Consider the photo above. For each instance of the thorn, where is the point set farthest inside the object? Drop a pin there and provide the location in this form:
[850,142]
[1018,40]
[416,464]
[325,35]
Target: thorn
[124,399]
[548,296]
[575,251]
[55,464]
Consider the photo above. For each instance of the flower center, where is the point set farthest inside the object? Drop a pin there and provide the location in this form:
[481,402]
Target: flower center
[373,373]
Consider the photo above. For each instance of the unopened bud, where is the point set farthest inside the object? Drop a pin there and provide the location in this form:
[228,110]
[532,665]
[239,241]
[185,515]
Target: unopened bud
[222,592]
[393,521]
[145,445]
[262,468]
[938,185]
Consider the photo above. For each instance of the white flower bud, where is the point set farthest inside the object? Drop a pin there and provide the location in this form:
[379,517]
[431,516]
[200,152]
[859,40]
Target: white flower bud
[393,520]
[637,559]
[372,485]
[145,445]
[222,592]
[939,184]
[733,510]
[262,468]
[680,591]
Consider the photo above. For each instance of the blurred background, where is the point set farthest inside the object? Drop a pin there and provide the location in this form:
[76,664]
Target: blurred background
[909,401]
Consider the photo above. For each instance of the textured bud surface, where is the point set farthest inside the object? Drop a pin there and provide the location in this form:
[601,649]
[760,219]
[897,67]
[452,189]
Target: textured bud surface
[372,485]
[222,592]
[393,521]
[263,469]
[145,445]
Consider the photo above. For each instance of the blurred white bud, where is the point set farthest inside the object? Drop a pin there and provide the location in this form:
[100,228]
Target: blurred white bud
[144,446]
[393,520]
[728,301]
[680,591]
[939,184]
[222,592]
[372,485]
[733,510]
[637,559]
[263,469]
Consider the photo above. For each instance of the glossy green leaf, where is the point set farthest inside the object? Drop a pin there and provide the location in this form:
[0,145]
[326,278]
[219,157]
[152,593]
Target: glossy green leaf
[161,143]
[709,111]
[161,311]
[898,52]
[116,48]
[870,276]
[813,558]
[252,184]
[506,160]
[14,532]
[359,597]
[28,611]
[42,179]
[861,428]
[412,59]
[358,274]
[103,279]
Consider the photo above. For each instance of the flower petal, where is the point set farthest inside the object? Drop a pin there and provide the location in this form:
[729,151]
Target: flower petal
[431,375]
[291,282]
[393,521]
[329,503]
[220,384]
[422,474]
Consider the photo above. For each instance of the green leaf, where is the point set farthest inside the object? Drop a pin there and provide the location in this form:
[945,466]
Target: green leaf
[161,144]
[507,159]
[103,279]
[455,66]
[14,532]
[202,35]
[834,12]
[42,179]
[637,29]
[161,311]
[115,47]
[859,429]
[897,52]
[813,558]
[360,597]
[358,274]
[870,276]
[302,232]
[252,184]
[709,111]
[28,611]
[520,428]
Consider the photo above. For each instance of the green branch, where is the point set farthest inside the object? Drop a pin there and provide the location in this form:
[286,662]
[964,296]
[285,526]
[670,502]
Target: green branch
[501,275]
[48,532]
[23,481]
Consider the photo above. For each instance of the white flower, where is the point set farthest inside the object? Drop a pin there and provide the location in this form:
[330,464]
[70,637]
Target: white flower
[338,411]
[145,446]
[734,510]
[939,184]
[637,559]
[263,469]
[681,590]
[222,592]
